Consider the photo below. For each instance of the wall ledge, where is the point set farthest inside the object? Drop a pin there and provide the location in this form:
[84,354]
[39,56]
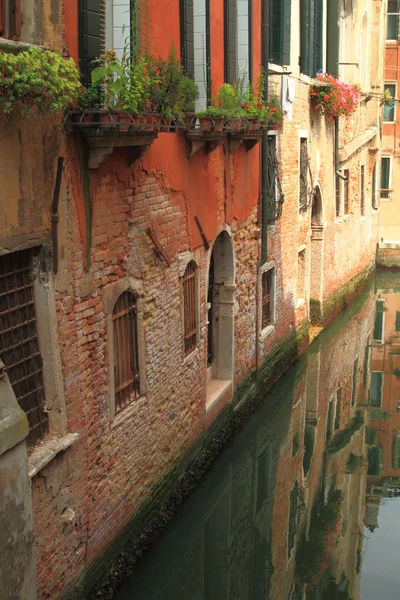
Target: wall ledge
[47,450]
[354,145]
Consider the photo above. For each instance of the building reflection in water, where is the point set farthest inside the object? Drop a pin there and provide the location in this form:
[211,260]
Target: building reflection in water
[280,515]
[383,441]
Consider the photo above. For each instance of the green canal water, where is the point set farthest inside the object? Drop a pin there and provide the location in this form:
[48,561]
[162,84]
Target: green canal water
[304,502]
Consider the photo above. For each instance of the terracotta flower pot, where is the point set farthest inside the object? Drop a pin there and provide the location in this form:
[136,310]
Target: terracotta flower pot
[205,124]
[218,125]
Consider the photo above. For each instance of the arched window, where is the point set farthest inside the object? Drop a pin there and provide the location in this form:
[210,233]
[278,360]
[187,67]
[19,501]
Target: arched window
[126,359]
[190,307]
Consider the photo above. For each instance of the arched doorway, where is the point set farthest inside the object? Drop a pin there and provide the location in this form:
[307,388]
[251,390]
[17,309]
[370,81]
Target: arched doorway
[221,296]
[317,256]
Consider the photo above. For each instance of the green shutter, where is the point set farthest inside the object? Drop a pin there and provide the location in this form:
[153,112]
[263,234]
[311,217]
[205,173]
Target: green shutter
[332,41]
[231,41]
[90,35]
[374,196]
[375,398]
[187,37]
[397,320]
[318,39]
[279,31]
[311,44]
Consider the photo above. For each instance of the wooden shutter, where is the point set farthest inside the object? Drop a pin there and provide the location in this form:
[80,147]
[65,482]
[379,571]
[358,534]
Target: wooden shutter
[3,31]
[187,36]
[10,19]
[332,38]
[311,43]
[318,36]
[231,41]
[279,31]
[91,35]
[397,321]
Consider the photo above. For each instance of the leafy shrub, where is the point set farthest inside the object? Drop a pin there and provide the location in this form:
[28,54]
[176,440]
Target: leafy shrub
[36,79]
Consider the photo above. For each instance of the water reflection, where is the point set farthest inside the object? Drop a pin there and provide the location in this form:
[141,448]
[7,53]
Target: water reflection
[280,515]
[382,507]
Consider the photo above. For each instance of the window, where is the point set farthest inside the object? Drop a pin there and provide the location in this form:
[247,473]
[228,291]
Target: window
[267,283]
[311,29]
[126,355]
[362,186]
[19,345]
[397,321]
[301,275]
[337,195]
[273,184]
[303,174]
[389,106]
[190,307]
[373,195]
[338,408]
[187,36]
[346,184]
[375,398]
[279,18]
[392,29]
[10,19]
[386,176]
[244,50]
[379,321]
[230,40]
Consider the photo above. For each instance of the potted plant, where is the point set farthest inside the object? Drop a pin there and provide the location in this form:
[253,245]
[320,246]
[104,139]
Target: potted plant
[205,121]
[228,99]
[189,95]
[334,97]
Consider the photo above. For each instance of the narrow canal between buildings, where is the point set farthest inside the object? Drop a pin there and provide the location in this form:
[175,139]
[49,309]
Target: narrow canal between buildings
[304,502]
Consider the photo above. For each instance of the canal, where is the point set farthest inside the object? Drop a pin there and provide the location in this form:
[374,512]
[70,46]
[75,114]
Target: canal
[304,502]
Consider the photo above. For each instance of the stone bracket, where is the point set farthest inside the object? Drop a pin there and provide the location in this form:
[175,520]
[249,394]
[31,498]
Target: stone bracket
[248,138]
[101,145]
[195,140]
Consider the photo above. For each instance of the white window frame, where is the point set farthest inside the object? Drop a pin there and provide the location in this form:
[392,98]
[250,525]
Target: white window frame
[268,266]
[394,83]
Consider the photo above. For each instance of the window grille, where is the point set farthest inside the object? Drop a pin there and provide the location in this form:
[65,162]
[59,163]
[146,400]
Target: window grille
[362,177]
[304,174]
[19,345]
[126,355]
[346,185]
[337,195]
[273,194]
[267,290]
[187,36]
[189,306]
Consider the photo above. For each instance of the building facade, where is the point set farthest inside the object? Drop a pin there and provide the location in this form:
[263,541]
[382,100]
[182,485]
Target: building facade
[137,307]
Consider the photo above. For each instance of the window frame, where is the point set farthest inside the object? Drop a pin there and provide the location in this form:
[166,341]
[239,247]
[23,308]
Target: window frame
[346,192]
[381,389]
[303,142]
[268,267]
[389,182]
[393,14]
[230,42]
[362,189]
[392,84]
[110,295]
[301,298]
[195,307]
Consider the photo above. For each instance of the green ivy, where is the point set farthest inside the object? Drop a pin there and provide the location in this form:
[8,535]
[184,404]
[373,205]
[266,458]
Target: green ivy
[37,80]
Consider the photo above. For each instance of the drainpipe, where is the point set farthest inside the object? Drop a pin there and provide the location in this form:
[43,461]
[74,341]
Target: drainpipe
[264,170]
[264,143]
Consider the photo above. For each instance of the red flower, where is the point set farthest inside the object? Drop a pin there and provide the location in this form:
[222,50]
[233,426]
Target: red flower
[326,97]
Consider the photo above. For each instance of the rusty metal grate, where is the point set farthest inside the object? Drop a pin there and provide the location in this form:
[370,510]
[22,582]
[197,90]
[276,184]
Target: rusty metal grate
[19,345]
[189,305]
[126,359]
[267,283]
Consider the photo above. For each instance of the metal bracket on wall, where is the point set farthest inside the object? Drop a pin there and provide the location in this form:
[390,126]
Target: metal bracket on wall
[158,249]
[195,140]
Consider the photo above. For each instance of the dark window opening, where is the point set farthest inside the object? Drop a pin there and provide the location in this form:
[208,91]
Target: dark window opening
[189,307]
[338,408]
[91,35]
[19,344]
[279,31]
[210,294]
[126,354]
[267,297]
[346,185]
[355,383]
[389,105]
[311,36]
[392,30]
[337,195]
[374,197]
[375,398]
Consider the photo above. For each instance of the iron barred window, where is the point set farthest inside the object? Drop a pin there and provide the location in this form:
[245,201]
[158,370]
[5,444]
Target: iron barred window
[303,174]
[189,306]
[126,355]
[337,195]
[267,289]
[19,345]
[362,178]
[346,184]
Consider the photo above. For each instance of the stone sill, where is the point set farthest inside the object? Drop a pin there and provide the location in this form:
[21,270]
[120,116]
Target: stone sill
[44,453]
[216,388]
[13,47]
[266,332]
